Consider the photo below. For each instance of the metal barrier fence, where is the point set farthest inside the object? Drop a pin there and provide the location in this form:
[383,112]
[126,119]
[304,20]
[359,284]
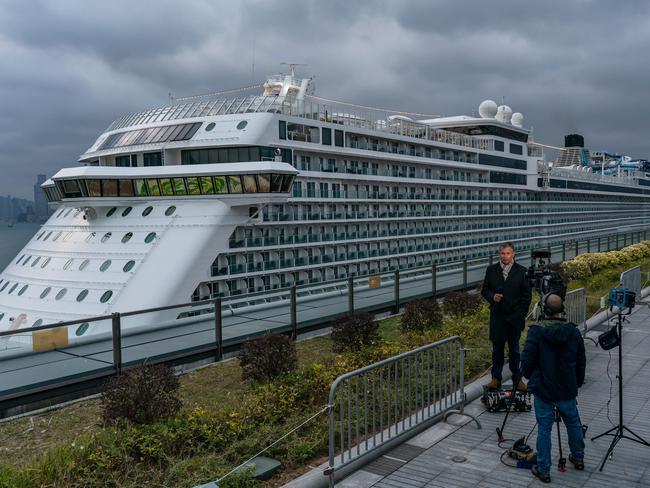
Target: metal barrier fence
[102,346]
[372,407]
[631,279]
[575,307]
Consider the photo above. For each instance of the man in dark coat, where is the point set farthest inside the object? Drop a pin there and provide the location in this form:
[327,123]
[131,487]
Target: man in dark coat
[554,361]
[508,292]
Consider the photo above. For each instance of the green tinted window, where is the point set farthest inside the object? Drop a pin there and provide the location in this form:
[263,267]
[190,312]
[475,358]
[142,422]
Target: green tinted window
[179,186]
[207,187]
[220,184]
[154,189]
[193,186]
[234,184]
[140,188]
[264,183]
[249,183]
[166,187]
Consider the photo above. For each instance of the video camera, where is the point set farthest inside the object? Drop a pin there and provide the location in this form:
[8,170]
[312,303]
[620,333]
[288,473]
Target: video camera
[622,298]
[542,277]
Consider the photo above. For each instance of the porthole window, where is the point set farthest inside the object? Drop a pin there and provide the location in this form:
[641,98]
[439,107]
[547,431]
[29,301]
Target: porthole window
[147,211]
[170,211]
[38,323]
[47,236]
[84,264]
[4,286]
[2,315]
[23,290]
[61,293]
[91,236]
[20,259]
[111,211]
[210,126]
[242,124]
[11,290]
[60,213]
[46,292]
[26,260]
[127,237]
[150,237]
[82,295]
[67,237]
[106,236]
[127,211]
[35,262]
[68,263]
[128,266]
[68,212]
[40,235]
[105,265]
[46,261]
[56,236]
[106,296]
[81,330]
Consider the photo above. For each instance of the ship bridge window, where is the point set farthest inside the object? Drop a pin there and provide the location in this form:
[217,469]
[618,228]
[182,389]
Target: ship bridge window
[166,187]
[179,186]
[303,133]
[193,186]
[141,188]
[264,183]
[220,184]
[126,188]
[154,188]
[249,183]
[234,184]
[276,183]
[70,188]
[207,186]
[109,188]
[516,149]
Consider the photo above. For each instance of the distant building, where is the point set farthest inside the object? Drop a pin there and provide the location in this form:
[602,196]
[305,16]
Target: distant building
[41,208]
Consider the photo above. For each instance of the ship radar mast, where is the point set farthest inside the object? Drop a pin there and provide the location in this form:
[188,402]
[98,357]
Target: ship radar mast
[287,85]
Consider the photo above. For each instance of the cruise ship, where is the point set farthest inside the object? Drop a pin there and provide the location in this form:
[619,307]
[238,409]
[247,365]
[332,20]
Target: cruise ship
[221,197]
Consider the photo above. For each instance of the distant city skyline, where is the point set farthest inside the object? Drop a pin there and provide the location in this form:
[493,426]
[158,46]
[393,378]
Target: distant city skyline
[68,69]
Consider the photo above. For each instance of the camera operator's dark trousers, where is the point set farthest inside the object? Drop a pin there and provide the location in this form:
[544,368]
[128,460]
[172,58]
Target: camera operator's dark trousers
[498,347]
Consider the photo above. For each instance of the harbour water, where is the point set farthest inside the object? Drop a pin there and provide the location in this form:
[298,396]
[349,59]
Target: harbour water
[13,239]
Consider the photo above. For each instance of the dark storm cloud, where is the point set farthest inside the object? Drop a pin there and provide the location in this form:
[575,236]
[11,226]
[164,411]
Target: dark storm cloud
[67,69]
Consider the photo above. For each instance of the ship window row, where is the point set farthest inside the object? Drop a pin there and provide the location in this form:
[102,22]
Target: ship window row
[239,154]
[176,186]
[52,293]
[274,236]
[80,264]
[152,135]
[64,212]
[305,162]
[52,194]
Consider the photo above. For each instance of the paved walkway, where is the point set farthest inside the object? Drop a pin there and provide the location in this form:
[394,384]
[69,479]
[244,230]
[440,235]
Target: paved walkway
[427,460]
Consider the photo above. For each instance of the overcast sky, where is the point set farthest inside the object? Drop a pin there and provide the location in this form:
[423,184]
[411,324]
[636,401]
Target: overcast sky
[69,68]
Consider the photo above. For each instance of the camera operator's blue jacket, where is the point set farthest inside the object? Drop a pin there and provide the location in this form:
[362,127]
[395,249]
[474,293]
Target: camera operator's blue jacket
[554,360]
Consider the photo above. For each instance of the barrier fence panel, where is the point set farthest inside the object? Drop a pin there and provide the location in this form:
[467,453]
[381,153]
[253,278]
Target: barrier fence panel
[575,307]
[631,279]
[373,406]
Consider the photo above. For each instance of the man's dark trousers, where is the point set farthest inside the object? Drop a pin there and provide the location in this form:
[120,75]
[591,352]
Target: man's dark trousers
[498,350]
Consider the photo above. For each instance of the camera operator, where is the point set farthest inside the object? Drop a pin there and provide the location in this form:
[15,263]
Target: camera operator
[554,361]
[508,292]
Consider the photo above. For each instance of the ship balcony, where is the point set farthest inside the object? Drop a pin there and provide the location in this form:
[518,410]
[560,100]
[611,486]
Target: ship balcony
[237,183]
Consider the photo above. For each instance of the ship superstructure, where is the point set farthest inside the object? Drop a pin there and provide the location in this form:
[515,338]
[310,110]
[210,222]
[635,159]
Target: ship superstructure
[221,197]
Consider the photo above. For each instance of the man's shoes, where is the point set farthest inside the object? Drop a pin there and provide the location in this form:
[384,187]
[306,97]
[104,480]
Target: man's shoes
[495,384]
[521,386]
[579,464]
[543,477]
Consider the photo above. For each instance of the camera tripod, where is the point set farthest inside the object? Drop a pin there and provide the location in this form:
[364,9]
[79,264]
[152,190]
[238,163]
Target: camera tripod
[618,431]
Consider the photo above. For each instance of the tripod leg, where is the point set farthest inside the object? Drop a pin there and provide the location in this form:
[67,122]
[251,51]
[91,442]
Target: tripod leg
[561,464]
[609,432]
[638,439]
[610,451]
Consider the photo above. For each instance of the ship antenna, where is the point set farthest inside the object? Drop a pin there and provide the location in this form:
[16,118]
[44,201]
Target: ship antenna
[292,66]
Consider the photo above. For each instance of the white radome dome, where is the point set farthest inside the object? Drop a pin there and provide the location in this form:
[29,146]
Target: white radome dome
[504,113]
[517,119]
[487,109]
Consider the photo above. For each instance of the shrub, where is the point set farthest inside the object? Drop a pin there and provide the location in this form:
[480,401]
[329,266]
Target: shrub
[266,357]
[354,331]
[421,315]
[141,395]
[461,303]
